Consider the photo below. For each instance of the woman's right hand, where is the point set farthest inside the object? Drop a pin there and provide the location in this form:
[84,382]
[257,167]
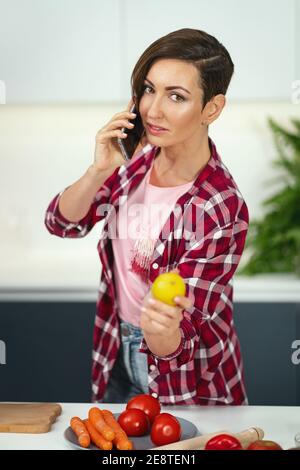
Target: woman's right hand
[108,155]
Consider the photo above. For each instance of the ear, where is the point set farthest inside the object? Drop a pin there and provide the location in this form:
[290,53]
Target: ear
[214,108]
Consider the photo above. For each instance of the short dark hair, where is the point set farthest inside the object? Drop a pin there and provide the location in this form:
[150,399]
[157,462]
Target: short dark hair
[199,48]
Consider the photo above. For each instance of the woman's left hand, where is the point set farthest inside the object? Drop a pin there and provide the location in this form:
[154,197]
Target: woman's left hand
[160,318]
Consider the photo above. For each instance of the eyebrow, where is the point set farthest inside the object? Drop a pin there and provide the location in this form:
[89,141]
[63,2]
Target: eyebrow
[173,87]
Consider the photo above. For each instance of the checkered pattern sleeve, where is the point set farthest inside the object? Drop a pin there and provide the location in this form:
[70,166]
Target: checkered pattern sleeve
[58,225]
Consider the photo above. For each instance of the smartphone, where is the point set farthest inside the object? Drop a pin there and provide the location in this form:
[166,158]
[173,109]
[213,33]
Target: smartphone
[130,143]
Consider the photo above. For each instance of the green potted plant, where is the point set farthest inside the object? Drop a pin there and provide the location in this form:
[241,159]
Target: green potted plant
[274,240]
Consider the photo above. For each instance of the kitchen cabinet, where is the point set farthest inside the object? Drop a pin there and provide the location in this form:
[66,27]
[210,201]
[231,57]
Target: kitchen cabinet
[48,351]
[78,51]
[257,35]
[49,345]
[60,51]
[267,332]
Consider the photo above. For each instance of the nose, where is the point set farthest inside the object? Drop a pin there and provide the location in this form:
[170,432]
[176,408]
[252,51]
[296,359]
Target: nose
[155,109]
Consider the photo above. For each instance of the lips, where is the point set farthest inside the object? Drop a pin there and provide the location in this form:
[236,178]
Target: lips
[156,127]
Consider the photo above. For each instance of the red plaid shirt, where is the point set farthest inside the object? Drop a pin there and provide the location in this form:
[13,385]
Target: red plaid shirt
[207,367]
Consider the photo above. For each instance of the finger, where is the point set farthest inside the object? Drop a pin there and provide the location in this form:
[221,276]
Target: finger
[183,302]
[159,306]
[151,327]
[110,134]
[119,123]
[176,270]
[166,329]
[148,296]
[159,322]
[156,327]
[153,315]
[149,324]
[162,318]
[121,115]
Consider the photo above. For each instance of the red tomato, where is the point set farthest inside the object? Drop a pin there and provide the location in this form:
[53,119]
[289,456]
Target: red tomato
[134,422]
[264,445]
[223,442]
[147,404]
[165,429]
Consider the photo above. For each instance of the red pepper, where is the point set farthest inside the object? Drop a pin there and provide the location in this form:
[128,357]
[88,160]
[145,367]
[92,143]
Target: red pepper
[223,442]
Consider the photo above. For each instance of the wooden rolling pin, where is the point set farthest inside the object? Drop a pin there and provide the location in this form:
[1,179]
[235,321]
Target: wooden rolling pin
[198,443]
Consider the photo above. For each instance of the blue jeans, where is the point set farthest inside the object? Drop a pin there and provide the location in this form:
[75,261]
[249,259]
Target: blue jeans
[129,376]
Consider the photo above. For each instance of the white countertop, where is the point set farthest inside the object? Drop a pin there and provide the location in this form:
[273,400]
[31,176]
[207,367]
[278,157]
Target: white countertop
[280,423]
[39,276]
[259,289]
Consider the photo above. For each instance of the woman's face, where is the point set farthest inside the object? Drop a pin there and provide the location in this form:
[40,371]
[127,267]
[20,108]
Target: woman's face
[177,110]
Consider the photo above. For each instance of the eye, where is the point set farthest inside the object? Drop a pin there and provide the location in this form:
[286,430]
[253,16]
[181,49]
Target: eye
[172,94]
[178,96]
[145,87]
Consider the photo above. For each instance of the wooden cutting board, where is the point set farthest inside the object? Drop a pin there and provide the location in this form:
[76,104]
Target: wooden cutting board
[28,417]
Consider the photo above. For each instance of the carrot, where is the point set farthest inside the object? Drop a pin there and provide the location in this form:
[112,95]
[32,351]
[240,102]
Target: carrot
[97,420]
[81,432]
[97,438]
[121,440]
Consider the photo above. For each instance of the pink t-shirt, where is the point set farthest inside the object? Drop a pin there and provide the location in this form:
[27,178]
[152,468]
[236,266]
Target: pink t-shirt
[138,225]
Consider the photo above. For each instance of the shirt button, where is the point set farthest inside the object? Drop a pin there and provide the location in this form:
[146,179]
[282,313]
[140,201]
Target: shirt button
[154,395]
[154,265]
[152,367]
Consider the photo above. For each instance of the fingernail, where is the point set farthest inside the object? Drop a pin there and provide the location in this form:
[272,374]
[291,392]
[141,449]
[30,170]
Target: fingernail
[143,309]
[177,299]
[133,114]
[151,301]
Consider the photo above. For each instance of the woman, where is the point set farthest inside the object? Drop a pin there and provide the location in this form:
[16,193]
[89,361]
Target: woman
[188,354]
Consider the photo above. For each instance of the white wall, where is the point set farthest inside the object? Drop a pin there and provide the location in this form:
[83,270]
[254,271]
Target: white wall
[44,149]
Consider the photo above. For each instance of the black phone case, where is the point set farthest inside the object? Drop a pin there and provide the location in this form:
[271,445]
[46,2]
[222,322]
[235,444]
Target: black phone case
[130,143]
